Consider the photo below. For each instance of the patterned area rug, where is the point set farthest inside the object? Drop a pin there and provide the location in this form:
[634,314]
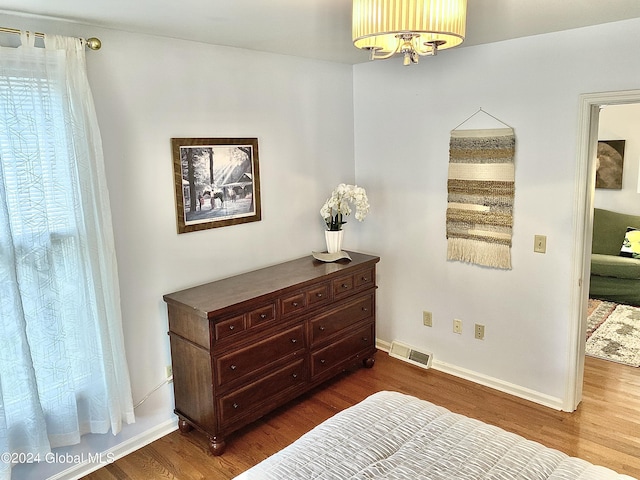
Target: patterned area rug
[613,332]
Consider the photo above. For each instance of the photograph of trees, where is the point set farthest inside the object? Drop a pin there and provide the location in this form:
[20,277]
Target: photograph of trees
[217,182]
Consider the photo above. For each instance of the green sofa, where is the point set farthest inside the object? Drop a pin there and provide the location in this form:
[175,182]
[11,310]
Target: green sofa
[613,277]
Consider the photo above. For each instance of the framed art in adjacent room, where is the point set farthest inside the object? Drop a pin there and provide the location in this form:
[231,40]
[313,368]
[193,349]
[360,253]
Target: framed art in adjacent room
[610,164]
[217,182]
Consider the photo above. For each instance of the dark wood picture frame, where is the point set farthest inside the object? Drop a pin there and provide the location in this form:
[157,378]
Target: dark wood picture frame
[217,182]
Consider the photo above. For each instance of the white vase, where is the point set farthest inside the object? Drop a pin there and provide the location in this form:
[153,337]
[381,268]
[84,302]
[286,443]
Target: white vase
[334,240]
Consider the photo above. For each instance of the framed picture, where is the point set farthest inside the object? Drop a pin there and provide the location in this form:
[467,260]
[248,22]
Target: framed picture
[217,182]
[610,163]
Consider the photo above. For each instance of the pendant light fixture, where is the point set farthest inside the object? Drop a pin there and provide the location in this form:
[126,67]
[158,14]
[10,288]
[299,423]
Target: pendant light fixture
[409,27]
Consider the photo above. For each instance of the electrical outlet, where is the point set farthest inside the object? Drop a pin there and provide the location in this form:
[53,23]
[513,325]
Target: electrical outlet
[457,326]
[427,319]
[168,371]
[479,331]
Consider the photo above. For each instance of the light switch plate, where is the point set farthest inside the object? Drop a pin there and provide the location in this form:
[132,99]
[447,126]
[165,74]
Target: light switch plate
[540,243]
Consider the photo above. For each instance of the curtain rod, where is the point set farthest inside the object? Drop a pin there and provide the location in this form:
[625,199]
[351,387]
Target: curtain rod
[93,43]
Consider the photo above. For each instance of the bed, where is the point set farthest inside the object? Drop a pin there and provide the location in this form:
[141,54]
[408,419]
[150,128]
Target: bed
[395,436]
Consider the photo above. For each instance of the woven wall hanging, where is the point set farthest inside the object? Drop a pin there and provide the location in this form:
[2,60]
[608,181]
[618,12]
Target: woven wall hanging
[480,196]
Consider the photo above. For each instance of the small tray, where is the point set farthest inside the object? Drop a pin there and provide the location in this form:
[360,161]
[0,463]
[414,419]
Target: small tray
[330,257]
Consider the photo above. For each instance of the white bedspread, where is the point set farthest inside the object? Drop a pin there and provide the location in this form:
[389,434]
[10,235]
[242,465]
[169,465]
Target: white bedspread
[394,436]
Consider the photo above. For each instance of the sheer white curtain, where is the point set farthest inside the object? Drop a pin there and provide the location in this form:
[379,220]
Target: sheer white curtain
[63,370]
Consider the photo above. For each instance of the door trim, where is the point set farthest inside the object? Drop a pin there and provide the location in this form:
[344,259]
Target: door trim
[588,115]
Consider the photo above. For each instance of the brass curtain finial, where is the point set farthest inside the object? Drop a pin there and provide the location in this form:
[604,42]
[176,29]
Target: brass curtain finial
[93,43]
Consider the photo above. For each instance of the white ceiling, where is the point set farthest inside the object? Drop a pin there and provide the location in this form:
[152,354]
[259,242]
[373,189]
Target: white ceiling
[318,29]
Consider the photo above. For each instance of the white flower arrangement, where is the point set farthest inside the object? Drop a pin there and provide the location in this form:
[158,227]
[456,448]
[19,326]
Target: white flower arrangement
[337,205]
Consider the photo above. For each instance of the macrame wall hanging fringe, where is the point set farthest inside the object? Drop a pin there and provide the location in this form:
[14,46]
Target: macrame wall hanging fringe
[480,195]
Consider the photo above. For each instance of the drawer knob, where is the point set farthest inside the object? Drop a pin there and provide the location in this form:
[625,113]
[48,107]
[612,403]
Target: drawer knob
[322,328]
[319,295]
[323,361]
[295,304]
[295,375]
[364,309]
[233,367]
[365,279]
[263,315]
[365,339]
[344,285]
[235,405]
[294,340]
[231,327]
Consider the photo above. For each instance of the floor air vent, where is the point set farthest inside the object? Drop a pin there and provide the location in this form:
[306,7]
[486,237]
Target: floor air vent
[410,354]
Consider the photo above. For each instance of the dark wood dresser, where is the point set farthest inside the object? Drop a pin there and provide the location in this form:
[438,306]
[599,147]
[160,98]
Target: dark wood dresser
[244,345]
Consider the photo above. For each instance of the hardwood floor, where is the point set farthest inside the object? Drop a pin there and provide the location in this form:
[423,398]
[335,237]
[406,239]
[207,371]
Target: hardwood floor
[605,429]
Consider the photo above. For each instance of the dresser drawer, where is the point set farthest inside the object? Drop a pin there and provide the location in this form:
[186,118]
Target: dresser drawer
[342,350]
[335,320]
[229,327]
[293,303]
[318,295]
[342,286]
[247,400]
[241,362]
[261,315]
[364,278]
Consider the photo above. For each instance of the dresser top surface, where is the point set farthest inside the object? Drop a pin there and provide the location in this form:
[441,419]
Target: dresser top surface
[209,298]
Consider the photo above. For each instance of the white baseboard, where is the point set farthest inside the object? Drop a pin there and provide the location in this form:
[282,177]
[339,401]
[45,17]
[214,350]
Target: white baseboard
[495,383]
[132,444]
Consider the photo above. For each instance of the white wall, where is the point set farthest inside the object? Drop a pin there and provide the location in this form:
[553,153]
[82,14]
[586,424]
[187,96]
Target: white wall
[622,122]
[403,116]
[149,89]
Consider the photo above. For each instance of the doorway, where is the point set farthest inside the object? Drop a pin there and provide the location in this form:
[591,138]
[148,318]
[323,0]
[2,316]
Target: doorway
[589,114]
